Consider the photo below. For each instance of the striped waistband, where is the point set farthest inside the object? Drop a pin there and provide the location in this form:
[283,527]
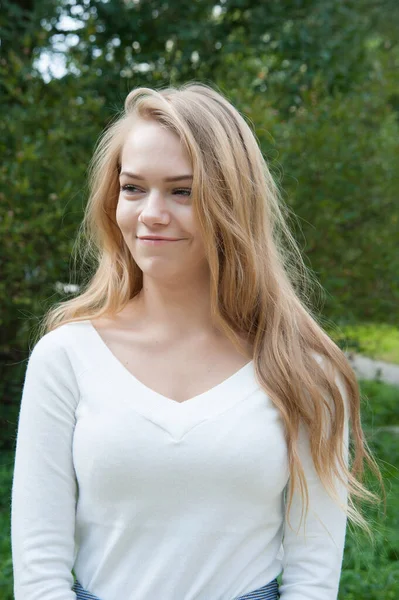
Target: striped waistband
[267,592]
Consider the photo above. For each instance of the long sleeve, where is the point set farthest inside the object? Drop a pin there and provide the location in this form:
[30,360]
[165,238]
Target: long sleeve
[44,484]
[312,562]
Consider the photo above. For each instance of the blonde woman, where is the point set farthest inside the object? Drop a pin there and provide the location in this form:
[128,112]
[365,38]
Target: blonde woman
[185,422]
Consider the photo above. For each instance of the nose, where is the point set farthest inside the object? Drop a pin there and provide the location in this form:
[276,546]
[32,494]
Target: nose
[155,209]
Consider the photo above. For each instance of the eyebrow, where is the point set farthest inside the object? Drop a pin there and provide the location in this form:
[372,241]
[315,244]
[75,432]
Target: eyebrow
[177,178]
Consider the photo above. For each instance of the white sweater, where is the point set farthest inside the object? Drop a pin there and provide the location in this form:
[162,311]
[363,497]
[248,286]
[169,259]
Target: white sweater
[145,498]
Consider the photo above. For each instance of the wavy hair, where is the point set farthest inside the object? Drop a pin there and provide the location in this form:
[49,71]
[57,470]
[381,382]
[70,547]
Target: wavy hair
[259,282]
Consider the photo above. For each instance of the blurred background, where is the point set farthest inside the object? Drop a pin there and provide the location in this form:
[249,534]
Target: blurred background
[318,79]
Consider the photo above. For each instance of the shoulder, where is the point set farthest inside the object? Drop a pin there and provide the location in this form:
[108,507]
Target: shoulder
[51,381]
[53,340]
[56,347]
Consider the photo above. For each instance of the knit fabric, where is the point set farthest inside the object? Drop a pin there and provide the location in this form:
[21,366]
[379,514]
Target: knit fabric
[145,497]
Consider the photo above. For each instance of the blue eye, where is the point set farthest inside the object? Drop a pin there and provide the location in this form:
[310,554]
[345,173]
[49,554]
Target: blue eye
[188,191]
[128,187]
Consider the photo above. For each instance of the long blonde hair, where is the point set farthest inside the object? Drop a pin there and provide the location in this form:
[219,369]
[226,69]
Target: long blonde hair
[259,282]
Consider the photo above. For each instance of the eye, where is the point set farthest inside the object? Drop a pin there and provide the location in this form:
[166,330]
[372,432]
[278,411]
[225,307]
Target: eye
[128,186]
[186,191]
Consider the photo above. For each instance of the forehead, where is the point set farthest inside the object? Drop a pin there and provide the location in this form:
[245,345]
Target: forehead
[148,140]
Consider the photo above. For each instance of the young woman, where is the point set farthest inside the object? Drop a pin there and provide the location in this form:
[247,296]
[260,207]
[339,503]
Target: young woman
[185,422]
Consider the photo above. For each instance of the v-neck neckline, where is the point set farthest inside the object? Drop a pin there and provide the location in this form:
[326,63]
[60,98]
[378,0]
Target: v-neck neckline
[177,419]
[227,383]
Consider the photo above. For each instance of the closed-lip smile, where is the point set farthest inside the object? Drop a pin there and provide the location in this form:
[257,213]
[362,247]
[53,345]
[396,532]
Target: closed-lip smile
[158,237]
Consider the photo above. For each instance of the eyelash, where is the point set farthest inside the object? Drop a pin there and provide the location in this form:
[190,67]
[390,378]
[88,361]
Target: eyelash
[129,185]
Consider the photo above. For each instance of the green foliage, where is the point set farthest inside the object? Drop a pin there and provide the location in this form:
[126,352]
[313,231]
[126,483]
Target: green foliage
[378,341]
[316,79]
[6,471]
[45,143]
[20,27]
[380,407]
[371,572]
[345,196]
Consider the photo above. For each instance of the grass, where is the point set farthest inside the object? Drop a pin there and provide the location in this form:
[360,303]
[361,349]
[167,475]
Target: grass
[6,466]
[374,340]
[370,571]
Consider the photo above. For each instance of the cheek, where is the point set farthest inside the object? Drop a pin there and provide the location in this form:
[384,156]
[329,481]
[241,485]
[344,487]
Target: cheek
[125,216]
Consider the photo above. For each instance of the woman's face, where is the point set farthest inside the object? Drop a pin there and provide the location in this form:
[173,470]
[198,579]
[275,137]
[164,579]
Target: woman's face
[155,199]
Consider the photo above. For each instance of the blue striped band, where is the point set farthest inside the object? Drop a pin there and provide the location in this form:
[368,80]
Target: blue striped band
[267,592]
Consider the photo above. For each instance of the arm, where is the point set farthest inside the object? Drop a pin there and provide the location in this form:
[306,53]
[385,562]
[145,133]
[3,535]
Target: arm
[312,564]
[44,485]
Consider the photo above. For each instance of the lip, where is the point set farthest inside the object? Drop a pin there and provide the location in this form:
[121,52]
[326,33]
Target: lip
[156,242]
[155,237]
